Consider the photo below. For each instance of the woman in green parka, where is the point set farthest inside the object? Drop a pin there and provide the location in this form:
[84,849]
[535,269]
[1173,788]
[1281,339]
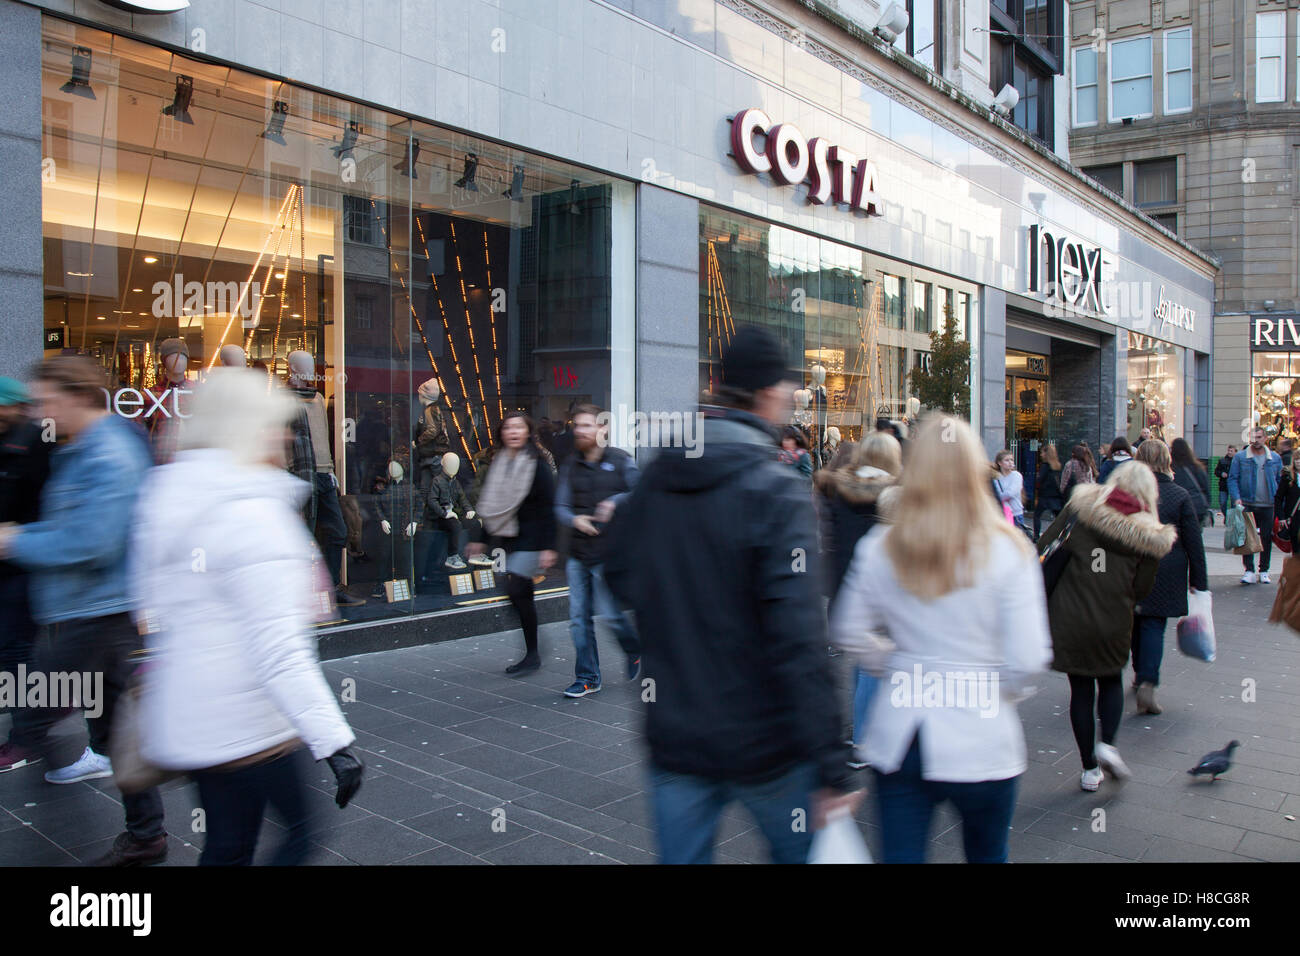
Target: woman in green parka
[1115,545]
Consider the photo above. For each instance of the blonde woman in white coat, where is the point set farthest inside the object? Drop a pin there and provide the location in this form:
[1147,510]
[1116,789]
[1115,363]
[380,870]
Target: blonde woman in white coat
[946,603]
[222,565]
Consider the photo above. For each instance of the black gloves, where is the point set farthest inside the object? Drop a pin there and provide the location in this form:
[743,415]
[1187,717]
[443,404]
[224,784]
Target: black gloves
[348,769]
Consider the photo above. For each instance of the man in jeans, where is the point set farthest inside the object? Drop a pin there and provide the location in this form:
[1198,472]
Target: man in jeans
[1252,483]
[592,482]
[76,554]
[1221,474]
[716,551]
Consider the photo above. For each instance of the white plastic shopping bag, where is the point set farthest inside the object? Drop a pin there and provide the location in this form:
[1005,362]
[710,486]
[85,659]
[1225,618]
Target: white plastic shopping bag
[1196,630]
[840,841]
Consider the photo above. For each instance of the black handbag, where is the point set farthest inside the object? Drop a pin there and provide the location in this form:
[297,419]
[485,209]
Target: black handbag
[1055,557]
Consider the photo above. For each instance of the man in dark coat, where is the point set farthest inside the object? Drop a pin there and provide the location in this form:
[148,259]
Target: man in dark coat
[716,551]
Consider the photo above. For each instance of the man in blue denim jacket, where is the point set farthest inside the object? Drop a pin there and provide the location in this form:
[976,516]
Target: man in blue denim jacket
[1252,483]
[76,555]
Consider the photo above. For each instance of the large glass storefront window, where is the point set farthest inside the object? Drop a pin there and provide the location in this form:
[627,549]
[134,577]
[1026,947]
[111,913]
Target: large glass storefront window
[853,324]
[435,280]
[1155,388]
[1275,394]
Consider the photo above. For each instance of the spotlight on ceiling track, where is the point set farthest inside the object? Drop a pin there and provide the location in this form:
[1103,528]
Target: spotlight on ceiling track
[407,166]
[1006,100]
[179,108]
[79,84]
[344,149]
[516,190]
[275,126]
[466,180]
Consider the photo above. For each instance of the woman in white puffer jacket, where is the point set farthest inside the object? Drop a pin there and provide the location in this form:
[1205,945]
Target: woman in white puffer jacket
[222,565]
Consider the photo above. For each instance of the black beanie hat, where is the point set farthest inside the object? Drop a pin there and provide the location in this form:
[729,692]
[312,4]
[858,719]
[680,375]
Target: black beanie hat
[752,360]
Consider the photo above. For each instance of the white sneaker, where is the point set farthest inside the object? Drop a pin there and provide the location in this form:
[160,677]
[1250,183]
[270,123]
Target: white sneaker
[454,563]
[1264,578]
[89,766]
[1248,578]
[1090,780]
[1110,759]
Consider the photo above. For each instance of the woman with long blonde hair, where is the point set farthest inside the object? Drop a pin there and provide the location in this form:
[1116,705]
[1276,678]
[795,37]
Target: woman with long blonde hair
[946,603]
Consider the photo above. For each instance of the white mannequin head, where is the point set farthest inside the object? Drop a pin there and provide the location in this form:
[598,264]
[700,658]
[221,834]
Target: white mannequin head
[429,392]
[395,471]
[174,357]
[833,436]
[802,399]
[451,464]
[819,374]
[232,356]
[302,368]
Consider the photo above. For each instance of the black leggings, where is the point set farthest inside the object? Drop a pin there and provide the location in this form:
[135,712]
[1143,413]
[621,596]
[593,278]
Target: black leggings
[520,591]
[1108,697]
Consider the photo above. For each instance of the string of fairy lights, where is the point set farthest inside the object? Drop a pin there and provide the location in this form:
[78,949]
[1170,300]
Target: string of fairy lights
[720,326]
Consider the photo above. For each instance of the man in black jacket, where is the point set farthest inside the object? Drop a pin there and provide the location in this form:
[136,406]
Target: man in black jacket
[1221,473]
[715,550]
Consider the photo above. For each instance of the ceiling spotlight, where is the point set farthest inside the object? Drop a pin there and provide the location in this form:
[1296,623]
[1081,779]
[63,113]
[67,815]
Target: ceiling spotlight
[275,126]
[279,275]
[150,260]
[407,166]
[179,108]
[892,23]
[516,190]
[79,84]
[574,208]
[344,149]
[1006,100]
[466,180]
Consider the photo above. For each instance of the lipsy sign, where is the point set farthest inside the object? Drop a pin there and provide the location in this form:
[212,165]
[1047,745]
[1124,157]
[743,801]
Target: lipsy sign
[832,172]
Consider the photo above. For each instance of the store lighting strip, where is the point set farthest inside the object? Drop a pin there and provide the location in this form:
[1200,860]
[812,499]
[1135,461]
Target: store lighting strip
[492,315]
[469,323]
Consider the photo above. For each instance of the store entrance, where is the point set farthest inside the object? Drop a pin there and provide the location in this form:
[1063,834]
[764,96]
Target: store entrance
[1029,423]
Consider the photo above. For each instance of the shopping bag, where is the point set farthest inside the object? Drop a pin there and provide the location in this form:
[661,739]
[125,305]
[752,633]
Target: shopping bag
[1286,606]
[1252,543]
[840,841]
[131,772]
[1196,630]
[1234,529]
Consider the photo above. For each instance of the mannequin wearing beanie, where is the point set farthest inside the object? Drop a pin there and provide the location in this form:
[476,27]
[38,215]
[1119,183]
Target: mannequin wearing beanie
[447,509]
[431,440]
[232,356]
[168,411]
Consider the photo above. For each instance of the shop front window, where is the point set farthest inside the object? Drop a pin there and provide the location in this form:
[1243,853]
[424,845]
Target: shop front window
[1275,394]
[436,281]
[1155,388]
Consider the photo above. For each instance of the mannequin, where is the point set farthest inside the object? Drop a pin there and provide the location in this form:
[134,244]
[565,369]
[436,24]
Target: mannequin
[232,356]
[165,417]
[802,415]
[447,509]
[818,375]
[832,443]
[396,509]
[431,440]
[311,447]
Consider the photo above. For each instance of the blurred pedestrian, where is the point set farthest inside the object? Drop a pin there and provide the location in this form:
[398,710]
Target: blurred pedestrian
[76,554]
[1120,453]
[1252,485]
[516,506]
[1190,475]
[716,552]
[1047,487]
[593,482]
[234,691]
[1115,541]
[24,468]
[1079,470]
[1009,486]
[954,593]
[794,451]
[1286,502]
[853,499]
[1184,566]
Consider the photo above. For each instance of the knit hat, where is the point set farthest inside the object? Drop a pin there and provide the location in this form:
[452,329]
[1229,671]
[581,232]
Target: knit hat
[173,347]
[12,391]
[752,360]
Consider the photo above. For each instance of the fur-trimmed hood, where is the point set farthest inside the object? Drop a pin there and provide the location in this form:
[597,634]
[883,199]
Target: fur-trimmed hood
[1141,532]
[856,486]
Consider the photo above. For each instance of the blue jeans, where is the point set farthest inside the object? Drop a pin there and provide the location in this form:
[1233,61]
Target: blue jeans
[864,690]
[907,803]
[587,590]
[687,808]
[1148,647]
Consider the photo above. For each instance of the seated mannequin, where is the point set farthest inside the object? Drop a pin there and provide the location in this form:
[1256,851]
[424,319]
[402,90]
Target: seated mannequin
[449,511]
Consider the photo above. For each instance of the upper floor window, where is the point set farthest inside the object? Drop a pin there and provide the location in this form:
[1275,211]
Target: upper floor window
[1178,71]
[1155,182]
[921,40]
[1085,86]
[1270,51]
[1111,176]
[1130,79]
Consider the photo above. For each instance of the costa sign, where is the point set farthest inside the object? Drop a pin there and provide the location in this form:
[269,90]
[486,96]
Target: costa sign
[833,173]
[1064,269]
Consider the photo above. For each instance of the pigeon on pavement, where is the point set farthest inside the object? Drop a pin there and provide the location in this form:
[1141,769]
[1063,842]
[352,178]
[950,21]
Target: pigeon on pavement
[1215,762]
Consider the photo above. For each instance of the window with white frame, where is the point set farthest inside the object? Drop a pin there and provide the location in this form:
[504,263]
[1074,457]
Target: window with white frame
[1178,71]
[1130,79]
[1270,54]
[1085,86]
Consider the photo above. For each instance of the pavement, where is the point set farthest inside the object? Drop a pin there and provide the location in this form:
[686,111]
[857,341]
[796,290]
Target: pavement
[467,765]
